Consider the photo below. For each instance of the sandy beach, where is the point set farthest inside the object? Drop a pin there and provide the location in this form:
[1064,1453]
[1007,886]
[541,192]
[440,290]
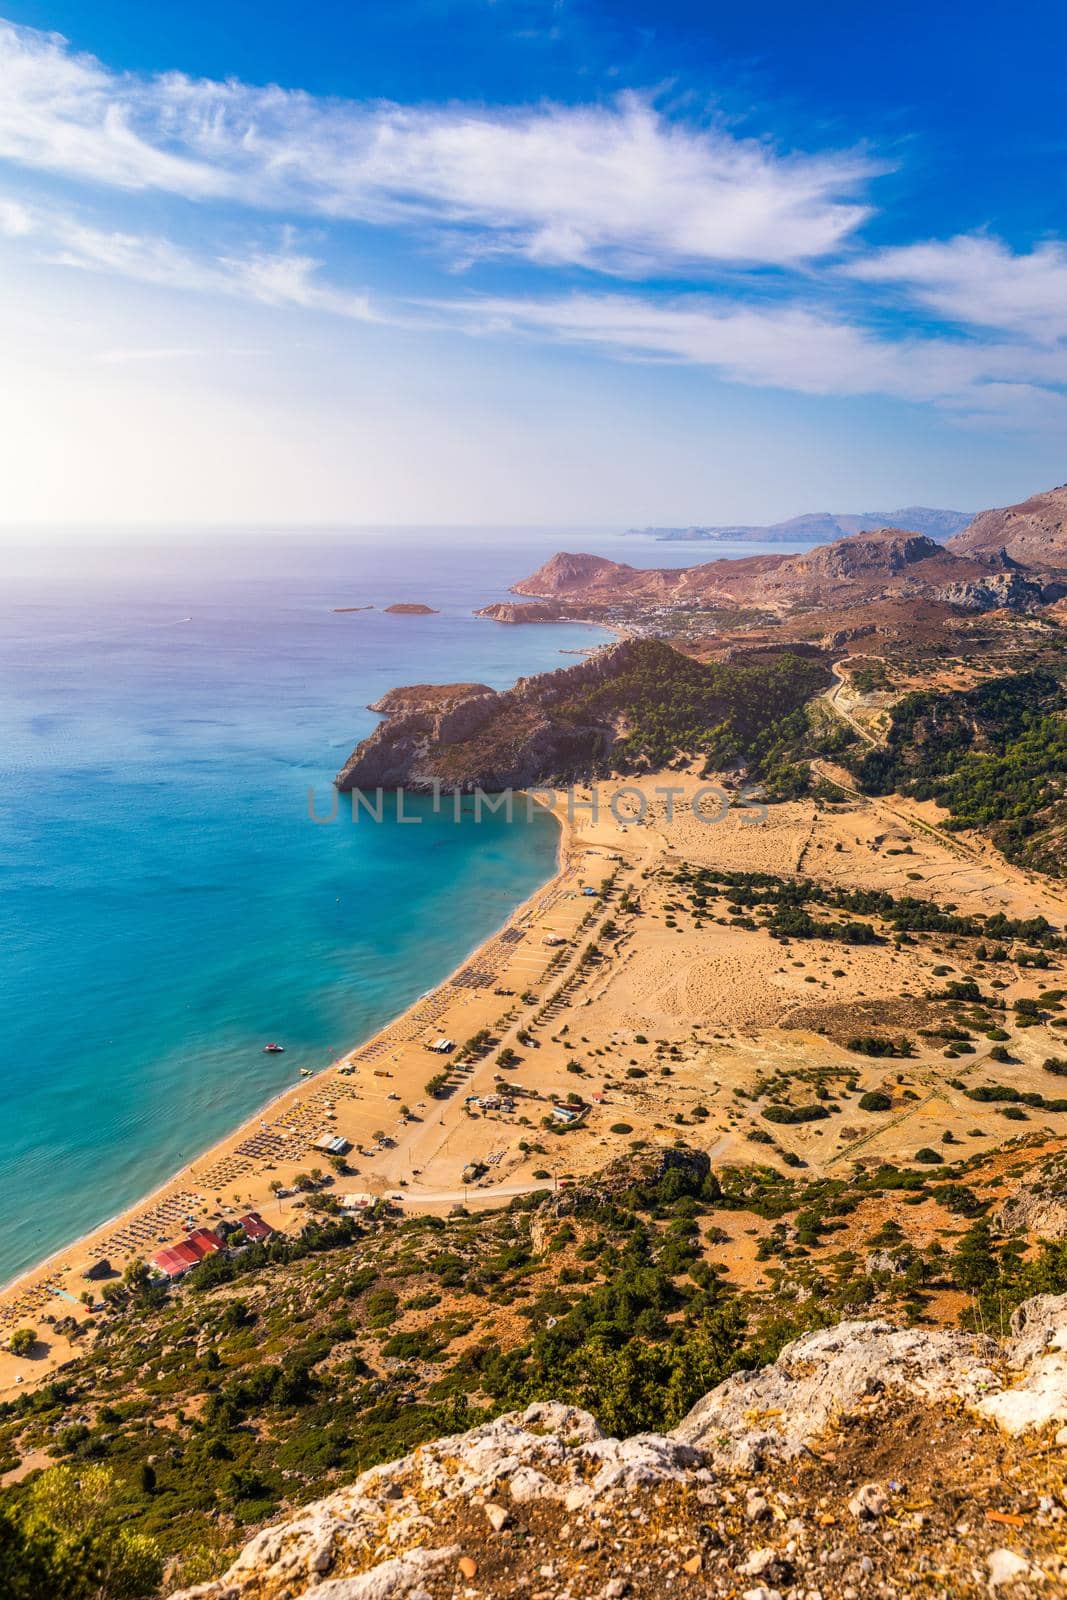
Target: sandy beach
[673,1022]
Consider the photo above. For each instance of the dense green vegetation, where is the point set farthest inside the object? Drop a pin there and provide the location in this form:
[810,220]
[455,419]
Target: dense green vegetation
[674,705]
[784,902]
[62,1542]
[994,755]
[790,1114]
[1001,1276]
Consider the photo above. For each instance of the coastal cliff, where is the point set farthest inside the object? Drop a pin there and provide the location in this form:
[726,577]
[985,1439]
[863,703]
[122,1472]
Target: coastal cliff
[629,705]
[470,735]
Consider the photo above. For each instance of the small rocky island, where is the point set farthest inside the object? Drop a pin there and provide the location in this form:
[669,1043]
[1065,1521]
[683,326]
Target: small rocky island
[403,609]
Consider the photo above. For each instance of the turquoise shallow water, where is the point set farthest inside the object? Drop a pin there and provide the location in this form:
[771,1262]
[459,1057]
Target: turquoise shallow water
[167,906]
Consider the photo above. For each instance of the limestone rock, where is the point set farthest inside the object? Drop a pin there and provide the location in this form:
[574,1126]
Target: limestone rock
[392,1534]
[1038,1348]
[779,1410]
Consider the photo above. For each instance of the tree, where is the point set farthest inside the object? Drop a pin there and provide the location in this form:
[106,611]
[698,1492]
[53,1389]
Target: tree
[22,1341]
[136,1276]
[973,1261]
[58,1542]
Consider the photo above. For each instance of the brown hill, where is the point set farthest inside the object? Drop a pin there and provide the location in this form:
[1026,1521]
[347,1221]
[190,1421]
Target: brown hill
[1033,532]
[882,565]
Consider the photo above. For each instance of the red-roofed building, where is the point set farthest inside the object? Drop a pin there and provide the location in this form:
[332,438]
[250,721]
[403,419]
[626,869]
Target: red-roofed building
[176,1260]
[255,1228]
[205,1242]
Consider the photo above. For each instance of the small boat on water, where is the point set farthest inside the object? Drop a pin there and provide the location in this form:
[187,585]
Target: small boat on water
[273,1049]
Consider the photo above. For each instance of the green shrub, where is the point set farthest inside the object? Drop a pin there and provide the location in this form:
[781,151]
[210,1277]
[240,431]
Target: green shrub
[874,1045]
[780,1113]
[874,1100]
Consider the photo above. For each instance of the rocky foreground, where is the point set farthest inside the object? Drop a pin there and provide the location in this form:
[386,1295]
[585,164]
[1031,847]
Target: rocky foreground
[866,1460]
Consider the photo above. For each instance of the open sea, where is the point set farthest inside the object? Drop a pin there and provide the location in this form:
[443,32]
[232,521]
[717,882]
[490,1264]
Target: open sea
[166,903]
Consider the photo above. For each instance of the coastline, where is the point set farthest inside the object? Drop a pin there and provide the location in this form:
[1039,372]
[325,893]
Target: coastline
[599,991]
[42,1283]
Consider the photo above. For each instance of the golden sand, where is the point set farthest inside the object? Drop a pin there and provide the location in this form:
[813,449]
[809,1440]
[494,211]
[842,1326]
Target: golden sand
[667,1021]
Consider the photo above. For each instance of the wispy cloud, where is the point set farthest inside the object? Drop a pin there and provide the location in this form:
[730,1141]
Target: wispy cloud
[15,220]
[788,347]
[621,189]
[617,188]
[281,277]
[978,280]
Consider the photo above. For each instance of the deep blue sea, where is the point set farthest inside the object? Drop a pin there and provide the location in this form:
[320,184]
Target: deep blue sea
[166,702]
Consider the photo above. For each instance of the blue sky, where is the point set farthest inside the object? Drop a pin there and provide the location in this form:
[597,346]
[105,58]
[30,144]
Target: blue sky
[525,262]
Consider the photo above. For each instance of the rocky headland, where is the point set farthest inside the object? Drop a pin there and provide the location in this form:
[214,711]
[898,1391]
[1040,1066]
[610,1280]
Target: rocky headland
[886,565]
[621,708]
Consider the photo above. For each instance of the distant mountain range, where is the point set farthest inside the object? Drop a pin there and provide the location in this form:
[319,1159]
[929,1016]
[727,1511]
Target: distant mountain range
[823,525]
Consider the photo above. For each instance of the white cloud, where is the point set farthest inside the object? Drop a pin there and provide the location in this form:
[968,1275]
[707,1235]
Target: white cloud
[617,188]
[785,347]
[15,220]
[275,278]
[61,111]
[977,280]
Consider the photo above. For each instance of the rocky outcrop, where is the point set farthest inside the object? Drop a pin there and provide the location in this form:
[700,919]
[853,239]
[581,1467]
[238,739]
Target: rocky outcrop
[1034,532]
[867,1459]
[992,593]
[528,611]
[1039,1205]
[409,609]
[886,550]
[1037,1351]
[495,740]
[554,727]
[594,580]
[778,1411]
[617,710]
[565,573]
[634,1178]
[436,697]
